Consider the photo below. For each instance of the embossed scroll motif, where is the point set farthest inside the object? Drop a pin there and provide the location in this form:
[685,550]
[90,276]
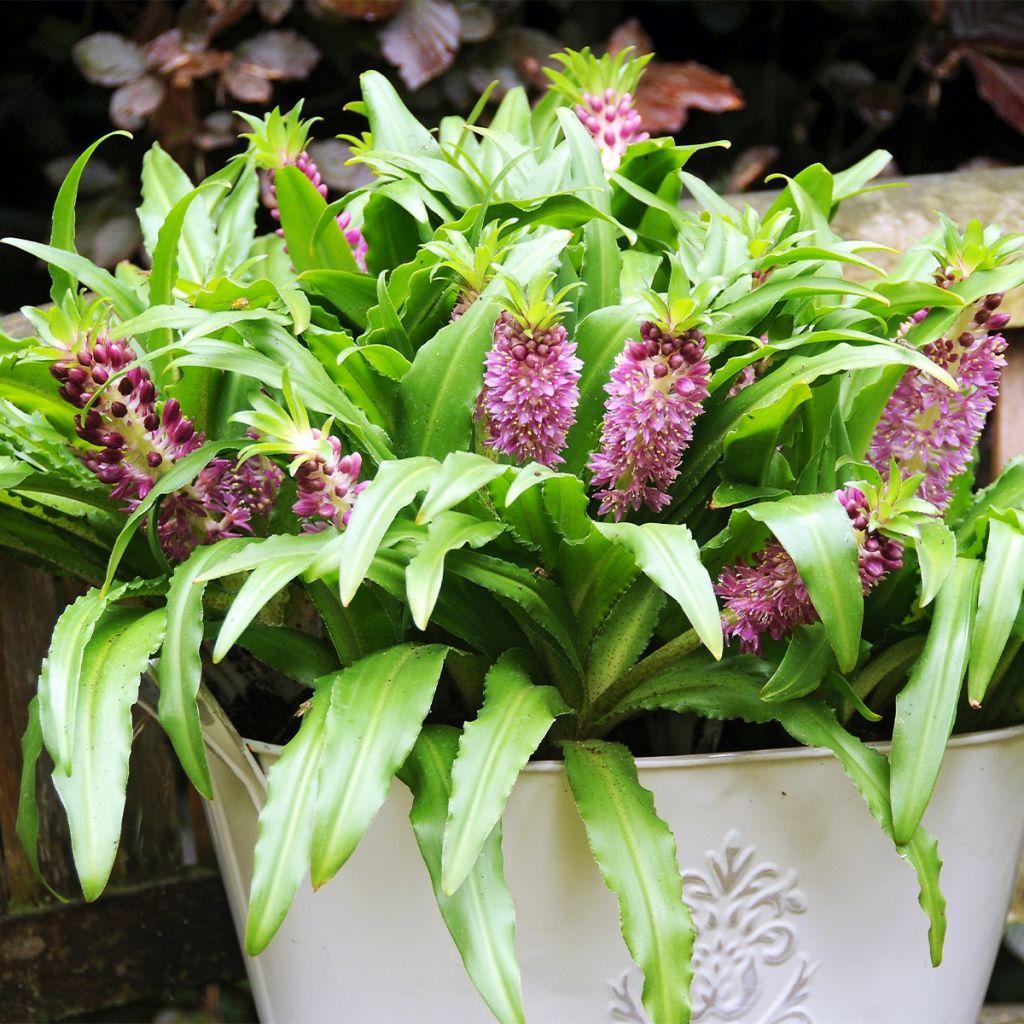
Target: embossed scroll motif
[743,957]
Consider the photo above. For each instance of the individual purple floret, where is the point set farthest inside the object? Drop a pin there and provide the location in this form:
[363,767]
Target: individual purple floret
[530,390]
[614,123]
[768,596]
[138,445]
[656,391]
[327,487]
[928,428]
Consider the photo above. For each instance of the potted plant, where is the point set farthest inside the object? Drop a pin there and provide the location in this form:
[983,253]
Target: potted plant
[507,457]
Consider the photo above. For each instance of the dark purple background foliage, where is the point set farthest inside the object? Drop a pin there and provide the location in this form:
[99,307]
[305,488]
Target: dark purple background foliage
[940,84]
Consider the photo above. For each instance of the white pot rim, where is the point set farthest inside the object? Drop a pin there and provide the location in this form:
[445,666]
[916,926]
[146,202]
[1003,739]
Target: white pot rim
[675,762]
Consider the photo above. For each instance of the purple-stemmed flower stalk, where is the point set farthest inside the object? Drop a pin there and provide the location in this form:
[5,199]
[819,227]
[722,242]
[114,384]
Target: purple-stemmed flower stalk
[929,428]
[137,444]
[656,391]
[768,596]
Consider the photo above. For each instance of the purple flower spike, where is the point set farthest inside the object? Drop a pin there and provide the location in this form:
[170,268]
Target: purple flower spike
[137,445]
[327,488]
[530,390]
[656,391]
[926,427]
[769,596]
[613,122]
[221,502]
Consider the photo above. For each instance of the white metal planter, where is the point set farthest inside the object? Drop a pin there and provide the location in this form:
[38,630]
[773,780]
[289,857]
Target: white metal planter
[805,914]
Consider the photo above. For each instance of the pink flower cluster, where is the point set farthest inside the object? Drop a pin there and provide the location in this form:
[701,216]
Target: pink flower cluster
[768,596]
[613,122]
[138,444]
[327,487]
[928,428]
[530,390]
[656,391]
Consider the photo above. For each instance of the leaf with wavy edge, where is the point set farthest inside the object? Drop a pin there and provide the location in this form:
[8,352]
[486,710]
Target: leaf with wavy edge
[515,717]
[60,672]
[636,853]
[460,475]
[729,689]
[377,709]
[179,671]
[93,793]
[669,556]
[27,823]
[479,915]
[816,533]
[447,532]
[926,706]
[281,858]
[999,600]
[395,485]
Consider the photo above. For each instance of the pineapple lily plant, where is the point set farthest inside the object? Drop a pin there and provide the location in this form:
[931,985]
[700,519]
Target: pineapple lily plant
[507,455]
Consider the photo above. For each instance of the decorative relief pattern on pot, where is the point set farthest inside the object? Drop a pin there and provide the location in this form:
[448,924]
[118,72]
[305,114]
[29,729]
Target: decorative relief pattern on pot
[741,912]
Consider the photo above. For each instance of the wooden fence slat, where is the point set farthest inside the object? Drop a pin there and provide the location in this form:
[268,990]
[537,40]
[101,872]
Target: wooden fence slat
[29,606]
[145,942]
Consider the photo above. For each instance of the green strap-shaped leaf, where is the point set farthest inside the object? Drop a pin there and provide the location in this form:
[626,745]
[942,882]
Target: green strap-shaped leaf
[729,690]
[164,183]
[125,301]
[636,853]
[936,553]
[394,486]
[602,268]
[62,236]
[437,397]
[813,724]
[281,859]
[669,556]
[295,654]
[808,657]
[266,580]
[623,636]
[27,823]
[361,627]
[179,670]
[538,598]
[164,274]
[926,706]
[93,793]
[60,672]
[301,209]
[816,533]
[479,915]
[999,600]
[448,532]
[377,710]
[593,576]
[515,717]
[352,294]
[460,475]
